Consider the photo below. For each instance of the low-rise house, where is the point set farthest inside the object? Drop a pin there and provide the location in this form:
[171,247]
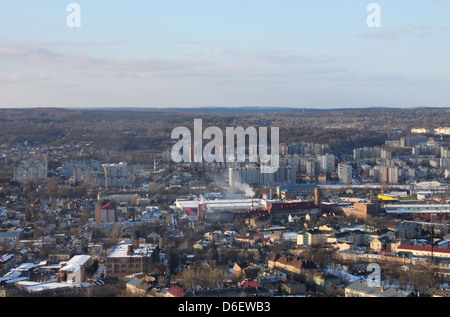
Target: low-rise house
[408,230]
[249,283]
[238,269]
[379,244]
[382,233]
[175,291]
[360,288]
[274,276]
[59,256]
[293,288]
[7,262]
[292,264]
[74,271]
[316,237]
[231,292]
[425,251]
[248,239]
[137,287]
[436,292]
[10,237]
[322,280]
[357,237]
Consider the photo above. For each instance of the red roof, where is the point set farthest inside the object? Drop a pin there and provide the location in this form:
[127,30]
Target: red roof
[296,262]
[250,284]
[109,205]
[425,249]
[291,206]
[176,291]
[189,212]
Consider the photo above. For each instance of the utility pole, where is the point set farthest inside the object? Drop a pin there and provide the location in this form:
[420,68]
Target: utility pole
[432,244]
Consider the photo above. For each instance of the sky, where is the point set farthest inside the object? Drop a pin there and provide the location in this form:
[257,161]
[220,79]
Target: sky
[225,53]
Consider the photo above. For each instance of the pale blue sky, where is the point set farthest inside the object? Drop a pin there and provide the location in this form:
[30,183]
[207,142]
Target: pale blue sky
[206,53]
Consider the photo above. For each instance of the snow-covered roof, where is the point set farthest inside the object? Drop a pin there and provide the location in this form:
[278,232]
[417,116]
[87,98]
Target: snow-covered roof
[76,262]
[121,250]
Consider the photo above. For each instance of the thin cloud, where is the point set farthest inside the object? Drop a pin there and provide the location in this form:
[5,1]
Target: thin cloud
[65,43]
[31,52]
[395,33]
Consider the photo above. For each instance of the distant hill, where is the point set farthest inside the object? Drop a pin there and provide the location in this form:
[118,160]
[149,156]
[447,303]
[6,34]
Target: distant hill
[136,129]
[249,110]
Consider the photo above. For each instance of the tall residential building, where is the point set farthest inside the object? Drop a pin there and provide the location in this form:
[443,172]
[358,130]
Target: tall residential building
[386,154]
[366,153]
[388,174]
[345,173]
[327,163]
[252,175]
[412,141]
[30,170]
[311,167]
[235,176]
[76,169]
[117,175]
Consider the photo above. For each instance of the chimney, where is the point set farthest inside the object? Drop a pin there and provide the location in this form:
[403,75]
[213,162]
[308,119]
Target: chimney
[317,196]
[382,289]
[130,250]
[135,244]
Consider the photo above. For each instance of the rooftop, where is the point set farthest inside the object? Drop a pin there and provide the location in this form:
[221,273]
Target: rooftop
[362,287]
[121,250]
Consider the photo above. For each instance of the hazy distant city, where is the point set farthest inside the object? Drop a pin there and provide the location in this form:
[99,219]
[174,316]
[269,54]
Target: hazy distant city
[359,206]
[191,150]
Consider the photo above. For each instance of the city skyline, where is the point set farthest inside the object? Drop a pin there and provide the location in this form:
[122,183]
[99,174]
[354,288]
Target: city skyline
[233,54]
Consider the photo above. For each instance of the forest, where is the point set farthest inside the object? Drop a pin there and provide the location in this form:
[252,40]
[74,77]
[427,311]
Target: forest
[139,129]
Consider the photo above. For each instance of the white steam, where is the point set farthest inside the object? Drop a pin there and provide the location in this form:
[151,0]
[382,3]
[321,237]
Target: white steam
[243,188]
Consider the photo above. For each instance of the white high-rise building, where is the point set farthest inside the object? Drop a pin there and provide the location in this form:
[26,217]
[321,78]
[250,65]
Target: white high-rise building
[234,176]
[327,162]
[345,173]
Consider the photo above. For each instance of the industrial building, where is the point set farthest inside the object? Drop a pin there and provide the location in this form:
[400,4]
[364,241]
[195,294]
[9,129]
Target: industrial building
[418,211]
[131,257]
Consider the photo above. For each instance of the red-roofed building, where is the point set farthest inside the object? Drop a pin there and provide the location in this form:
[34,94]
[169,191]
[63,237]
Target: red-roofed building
[292,264]
[191,214]
[250,283]
[284,210]
[109,205]
[175,291]
[425,251]
[106,213]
